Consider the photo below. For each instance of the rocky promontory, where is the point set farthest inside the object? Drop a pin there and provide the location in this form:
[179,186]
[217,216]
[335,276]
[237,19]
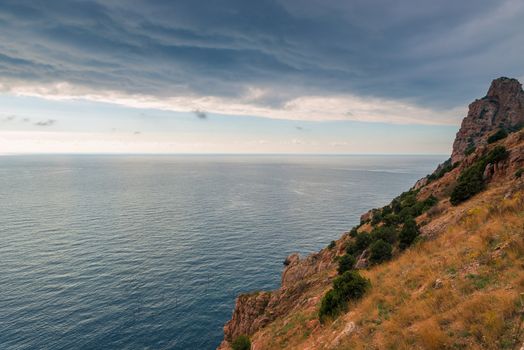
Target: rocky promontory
[501,109]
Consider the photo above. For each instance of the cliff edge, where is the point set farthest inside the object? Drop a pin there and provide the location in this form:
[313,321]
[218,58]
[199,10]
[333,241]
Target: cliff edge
[450,270]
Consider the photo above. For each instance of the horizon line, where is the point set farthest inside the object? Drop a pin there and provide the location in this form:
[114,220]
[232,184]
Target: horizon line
[220,154]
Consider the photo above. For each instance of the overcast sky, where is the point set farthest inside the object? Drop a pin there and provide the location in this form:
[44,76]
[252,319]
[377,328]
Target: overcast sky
[308,76]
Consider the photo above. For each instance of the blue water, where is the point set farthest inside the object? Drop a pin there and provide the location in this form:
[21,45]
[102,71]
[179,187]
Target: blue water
[149,252]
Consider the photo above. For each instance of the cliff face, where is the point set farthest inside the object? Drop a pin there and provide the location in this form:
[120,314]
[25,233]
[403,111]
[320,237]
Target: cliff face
[502,107]
[457,288]
[256,310]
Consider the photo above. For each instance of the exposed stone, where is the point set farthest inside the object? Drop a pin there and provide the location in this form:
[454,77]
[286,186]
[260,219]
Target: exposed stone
[292,259]
[246,316]
[350,328]
[438,284]
[298,270]
[362,261]
[421,183]
[488,172]
[366,217]
[503,106]
[254,311]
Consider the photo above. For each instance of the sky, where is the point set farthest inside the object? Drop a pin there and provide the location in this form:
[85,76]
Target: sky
[237,76]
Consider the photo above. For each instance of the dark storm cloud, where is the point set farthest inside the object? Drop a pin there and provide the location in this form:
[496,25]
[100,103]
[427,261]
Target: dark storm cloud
[436,53]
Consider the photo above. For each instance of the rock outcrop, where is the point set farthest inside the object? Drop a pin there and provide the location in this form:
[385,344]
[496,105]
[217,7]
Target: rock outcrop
[255,310]
[502,107]
[248,315]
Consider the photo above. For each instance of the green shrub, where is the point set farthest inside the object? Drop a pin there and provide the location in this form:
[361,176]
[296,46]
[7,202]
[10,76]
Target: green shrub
[408,234]
[346,263]
[332,245]
[377,217]
[349,286]
[408,199]
[406,212]
[242,342]
[395,206]
[362,241]
[470,181]
[385,233]
[392,220]
[519,173]
[499,135]
[386,210]
[354,232]
[429,202]
[330,305]
[380,251]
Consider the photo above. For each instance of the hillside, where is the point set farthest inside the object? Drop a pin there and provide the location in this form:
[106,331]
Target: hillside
[442,265]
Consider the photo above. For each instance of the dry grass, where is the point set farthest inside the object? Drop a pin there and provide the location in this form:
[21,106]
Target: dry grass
[479,263]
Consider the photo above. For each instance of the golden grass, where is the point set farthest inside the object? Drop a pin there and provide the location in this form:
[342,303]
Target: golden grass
[480,264]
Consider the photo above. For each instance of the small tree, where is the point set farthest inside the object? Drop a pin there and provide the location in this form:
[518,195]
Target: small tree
[330,305]
[385,233]
[242,342]
[408,234]
[362,241]
[346,263]
[349,286]
[380,251]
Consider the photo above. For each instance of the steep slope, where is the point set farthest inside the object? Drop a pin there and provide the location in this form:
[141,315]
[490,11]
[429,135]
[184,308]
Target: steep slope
[455,285]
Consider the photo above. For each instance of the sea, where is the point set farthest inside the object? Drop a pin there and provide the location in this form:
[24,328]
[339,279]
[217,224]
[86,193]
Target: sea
[149,252]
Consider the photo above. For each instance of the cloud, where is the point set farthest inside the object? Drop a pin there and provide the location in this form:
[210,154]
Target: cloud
[48,122]
[264,56]
[137,133]
[306,108]
[200,114]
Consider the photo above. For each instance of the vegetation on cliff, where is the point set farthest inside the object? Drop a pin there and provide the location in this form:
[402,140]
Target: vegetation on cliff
[440,267]
[349,286]
[242,342]
[471,181]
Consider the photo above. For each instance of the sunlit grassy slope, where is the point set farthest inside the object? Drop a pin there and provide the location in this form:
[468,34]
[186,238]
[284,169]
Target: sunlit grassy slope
[459,290]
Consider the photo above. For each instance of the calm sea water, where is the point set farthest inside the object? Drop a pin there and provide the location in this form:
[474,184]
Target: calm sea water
[149,252]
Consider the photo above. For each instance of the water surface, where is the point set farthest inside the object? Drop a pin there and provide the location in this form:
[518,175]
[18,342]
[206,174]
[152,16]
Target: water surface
[149,252]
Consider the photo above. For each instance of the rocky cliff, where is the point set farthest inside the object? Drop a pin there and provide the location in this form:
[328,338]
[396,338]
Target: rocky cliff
[456,287]
[501,108]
